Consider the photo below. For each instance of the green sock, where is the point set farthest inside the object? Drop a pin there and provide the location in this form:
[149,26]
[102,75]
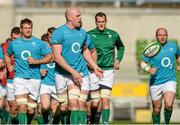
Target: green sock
[167,115]
[5,117]
[156,118]
[14,119]
[82,117]
[105,116]
[22,118]
[40,119]
[74,118]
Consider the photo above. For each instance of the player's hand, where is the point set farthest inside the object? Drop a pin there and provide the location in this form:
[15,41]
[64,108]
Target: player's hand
[32,60]
[178,68]
[10,68]
[77,77]
[99,72]
[152,71]
[117,65]
[43,73]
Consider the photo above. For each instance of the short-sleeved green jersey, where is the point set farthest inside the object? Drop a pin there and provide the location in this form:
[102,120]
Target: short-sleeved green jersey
[105,43]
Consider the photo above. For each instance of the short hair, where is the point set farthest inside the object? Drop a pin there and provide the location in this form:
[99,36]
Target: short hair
[100,14]
[26,21]
[15,30]
[161,28]
[51,29]
[44,37]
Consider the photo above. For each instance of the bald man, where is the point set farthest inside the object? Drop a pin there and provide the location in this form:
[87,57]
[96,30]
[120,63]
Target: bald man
[69,44]
[163,76]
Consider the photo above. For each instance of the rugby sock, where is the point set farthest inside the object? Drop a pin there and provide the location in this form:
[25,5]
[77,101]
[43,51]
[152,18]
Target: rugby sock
[93,114]
[82,117]
[14,119]
[64,117]
[5,116]
[74,118]
[56,116]
[88,119]
[167,115]
[30,118]
[97,117]
[40,119]
[156,118]
[105,116]
[22,118]
[45,114]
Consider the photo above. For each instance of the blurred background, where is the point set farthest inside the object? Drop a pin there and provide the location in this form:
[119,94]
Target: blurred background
[135,21]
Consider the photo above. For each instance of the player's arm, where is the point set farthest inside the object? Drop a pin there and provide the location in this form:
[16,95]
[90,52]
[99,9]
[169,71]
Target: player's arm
[9,66]
[178,62]
[46,53]
[2,63]
[57,49]
[120,52]
[148,68]
[46,59]
[94,54]
[87,55]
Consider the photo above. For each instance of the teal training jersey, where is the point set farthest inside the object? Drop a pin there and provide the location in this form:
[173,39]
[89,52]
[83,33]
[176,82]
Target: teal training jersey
[165,63]
[105,43]
[72,41]
[1,53]
[49,79]
[22,49]
[90,43]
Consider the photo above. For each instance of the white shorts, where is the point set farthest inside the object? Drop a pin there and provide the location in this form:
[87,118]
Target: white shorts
[62,81]
[108,78]
[93,81]
[156,92]
[10,92]
[46,89]
[24,86]
[2,91]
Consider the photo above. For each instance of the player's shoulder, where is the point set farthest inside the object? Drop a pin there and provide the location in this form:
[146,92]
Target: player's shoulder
[172,43]
[92,31]
[112,31]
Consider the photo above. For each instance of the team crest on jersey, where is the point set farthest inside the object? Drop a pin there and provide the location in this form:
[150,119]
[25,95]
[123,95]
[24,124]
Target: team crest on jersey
[109,35]
[75,47]
[93,35]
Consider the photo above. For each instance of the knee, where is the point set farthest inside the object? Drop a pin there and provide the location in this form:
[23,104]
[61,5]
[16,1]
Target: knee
[169,105]
[157,109]
[22,104]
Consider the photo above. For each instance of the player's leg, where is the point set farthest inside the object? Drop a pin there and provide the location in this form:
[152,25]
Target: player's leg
[12,103]
[45,101]
[88,110]
[105,92]
[39,116]
[54,104]
[62,97]
[95,97]
[156,97]
[21,96]
[169,91]
[82,99]
[95,112]
[33,88]
[73,94]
